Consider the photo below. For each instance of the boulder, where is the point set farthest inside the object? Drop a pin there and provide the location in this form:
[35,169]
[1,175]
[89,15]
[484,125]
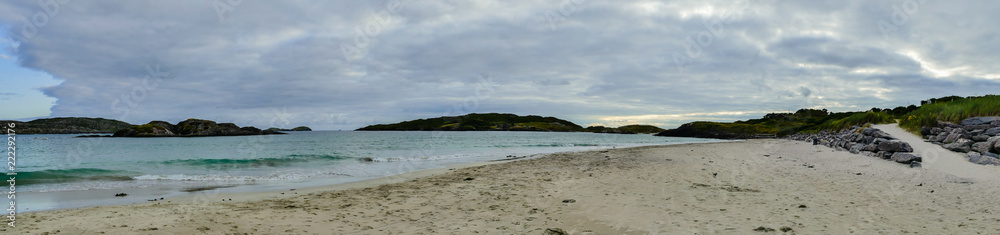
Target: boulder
[883,155]
[925,131]
[961,145]
[992,155]
[978,120]
[905,158]
[915,165]
[939,138]
[895,146]
[996,146]
[986,161]
[856,148]
[936,130]
[870,148]
[992,131]
[980,137]
[947,125]
[973,156]
[981,147]
[954,136]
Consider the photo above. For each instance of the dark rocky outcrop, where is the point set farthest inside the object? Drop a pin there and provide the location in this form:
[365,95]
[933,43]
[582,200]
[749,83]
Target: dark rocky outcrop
[868,141]
[190,128]
[301,128]
[977,137]
[67,125]
[905,158]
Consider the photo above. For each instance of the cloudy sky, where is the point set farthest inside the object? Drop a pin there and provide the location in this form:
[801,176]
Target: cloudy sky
[347,64]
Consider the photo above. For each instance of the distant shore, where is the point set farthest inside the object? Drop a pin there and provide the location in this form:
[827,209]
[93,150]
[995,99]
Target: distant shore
[731,187]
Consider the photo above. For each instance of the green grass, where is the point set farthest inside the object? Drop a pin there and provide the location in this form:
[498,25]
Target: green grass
[953,111]
[857,119]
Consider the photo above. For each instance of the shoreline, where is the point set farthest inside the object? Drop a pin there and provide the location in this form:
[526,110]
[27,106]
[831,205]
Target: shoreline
[178,193]
[728,187]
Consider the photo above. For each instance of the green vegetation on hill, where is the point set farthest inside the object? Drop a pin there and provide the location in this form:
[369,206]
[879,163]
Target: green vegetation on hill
[952,109]
[68,125]
[779,124]
[481,122]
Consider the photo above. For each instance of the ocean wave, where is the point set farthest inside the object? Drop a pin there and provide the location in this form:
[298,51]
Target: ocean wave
[253,162]
[73,175]
[408,159]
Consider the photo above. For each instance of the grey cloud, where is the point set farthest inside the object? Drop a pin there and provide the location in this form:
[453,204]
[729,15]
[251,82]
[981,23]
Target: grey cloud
[609,58]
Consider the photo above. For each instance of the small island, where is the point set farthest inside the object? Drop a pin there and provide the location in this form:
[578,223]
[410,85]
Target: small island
[505,122]
[481,122]
[627,129]
[301,128]
[69,125]
[190,128]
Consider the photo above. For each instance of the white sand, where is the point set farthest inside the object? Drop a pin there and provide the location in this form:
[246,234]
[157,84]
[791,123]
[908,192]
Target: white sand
[774,184]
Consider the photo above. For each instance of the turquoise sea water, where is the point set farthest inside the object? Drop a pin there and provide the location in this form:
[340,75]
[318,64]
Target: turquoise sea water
[53,163]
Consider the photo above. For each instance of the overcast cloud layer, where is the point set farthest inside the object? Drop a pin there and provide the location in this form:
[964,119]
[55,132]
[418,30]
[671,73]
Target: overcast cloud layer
[347,64]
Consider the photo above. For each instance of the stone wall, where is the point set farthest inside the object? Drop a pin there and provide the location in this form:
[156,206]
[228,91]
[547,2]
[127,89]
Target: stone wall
[978,138]
[865,141]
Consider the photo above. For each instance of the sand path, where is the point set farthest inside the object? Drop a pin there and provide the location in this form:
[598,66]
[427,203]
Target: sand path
[937,158]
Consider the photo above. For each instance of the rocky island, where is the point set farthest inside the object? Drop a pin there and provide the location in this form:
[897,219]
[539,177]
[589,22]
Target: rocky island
[190,128]
[68,125]
[504,122]
[301,128]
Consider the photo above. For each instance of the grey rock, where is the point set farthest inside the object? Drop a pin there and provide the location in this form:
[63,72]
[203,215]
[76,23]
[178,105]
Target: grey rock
[981,147]
[870,148]
[939,138]
[980,137]
[925,131]
[947,125]
[856,148]
[895,146]
[961,145]
[992,155]
[936,130]
[952,138]
[990,145]
[973,156]
[992,131]
[883,155]
[978,120]
[915,164]
[976,132]
[986,161]
[905,158]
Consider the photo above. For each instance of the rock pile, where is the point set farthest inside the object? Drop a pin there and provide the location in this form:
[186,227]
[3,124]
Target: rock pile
[977,137]
[865,141]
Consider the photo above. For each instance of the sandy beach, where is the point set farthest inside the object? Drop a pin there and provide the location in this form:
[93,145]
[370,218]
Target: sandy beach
[745,187]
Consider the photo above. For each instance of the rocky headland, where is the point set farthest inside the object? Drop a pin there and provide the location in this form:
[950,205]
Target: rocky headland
[190,128]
